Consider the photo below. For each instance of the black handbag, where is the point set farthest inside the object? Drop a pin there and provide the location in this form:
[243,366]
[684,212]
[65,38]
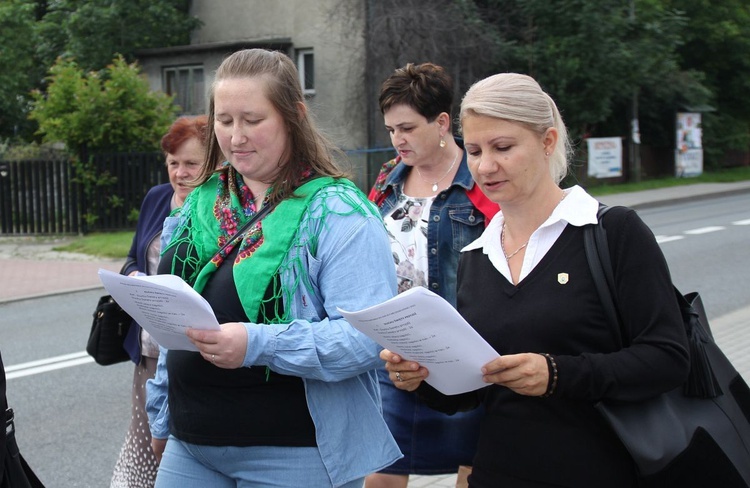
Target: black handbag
[697,434]
[16,471]
[108,331]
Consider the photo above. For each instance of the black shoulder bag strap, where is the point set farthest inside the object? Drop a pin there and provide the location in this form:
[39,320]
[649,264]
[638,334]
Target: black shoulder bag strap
[702,382]
[255,218]
[600,264]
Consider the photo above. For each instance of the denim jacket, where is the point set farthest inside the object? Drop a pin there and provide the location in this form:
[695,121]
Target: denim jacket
[335,361]
[454,223]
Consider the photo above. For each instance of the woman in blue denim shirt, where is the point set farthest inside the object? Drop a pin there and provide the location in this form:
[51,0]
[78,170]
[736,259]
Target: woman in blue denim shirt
[432,209]
[286,393]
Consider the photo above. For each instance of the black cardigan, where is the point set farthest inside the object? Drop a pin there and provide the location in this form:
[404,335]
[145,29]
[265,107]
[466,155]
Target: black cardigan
[561,440]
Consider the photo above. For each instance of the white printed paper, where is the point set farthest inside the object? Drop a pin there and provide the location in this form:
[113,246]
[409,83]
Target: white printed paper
[421,326]
[164,305]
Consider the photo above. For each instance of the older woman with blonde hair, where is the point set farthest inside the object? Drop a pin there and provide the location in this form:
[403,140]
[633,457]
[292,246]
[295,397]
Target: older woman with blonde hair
[525,286]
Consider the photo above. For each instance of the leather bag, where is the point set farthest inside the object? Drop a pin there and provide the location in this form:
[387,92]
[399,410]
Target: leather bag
[16,471]
[697,434]
[108,331]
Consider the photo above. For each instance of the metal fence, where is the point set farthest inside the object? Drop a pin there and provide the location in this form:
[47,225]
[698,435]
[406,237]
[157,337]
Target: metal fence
[49,196]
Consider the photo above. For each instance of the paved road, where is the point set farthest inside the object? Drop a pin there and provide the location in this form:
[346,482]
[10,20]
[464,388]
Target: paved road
[30,268]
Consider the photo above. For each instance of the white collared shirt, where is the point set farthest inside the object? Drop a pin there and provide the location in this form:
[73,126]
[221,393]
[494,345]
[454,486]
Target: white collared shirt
[577,208]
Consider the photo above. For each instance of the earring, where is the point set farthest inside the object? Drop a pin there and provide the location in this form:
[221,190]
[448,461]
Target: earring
[442,142]
[546,153]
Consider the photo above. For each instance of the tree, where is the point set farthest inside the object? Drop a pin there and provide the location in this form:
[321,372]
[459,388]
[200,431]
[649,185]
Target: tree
[591,56]
[18,76]
[34,33]
[445,32]
[717,44]
[93,31]
[110,110]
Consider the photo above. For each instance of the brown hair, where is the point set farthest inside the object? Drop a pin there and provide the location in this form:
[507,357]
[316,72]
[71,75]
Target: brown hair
[427,88]
[308,147]
[183,129]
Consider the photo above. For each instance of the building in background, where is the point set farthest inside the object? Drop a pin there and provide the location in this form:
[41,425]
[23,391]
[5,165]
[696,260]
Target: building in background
[326,42]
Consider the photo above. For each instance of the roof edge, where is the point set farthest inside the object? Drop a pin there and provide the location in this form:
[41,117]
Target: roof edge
[271,42]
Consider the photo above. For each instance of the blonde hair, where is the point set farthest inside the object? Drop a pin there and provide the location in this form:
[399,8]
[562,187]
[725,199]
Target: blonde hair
[519,98]
[308,147]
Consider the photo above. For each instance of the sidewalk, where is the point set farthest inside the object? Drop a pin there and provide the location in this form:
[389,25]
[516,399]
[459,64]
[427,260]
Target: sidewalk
[29,268]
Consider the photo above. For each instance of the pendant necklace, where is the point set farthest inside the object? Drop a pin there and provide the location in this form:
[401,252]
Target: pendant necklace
[435,184]
[502,237]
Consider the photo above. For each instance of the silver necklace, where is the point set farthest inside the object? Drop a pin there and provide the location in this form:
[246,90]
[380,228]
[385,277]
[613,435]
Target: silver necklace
[435,184]
[502,237]
[502,245]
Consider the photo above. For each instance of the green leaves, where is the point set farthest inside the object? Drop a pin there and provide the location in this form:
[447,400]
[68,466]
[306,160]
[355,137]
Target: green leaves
[34,33]
[109,110]
[18,76]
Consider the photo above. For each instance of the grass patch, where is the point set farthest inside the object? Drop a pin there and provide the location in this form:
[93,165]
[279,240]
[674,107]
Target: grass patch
[117,244]
[728,175]
[106,245]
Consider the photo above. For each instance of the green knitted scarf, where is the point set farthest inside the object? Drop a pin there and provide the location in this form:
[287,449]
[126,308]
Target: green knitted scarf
[214,212]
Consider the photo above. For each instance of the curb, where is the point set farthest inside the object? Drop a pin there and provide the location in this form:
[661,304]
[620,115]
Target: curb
[50,294]
[691,198]
[657,198]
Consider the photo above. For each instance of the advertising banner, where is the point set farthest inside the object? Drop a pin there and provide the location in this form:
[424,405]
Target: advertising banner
[689,145]
[605,157]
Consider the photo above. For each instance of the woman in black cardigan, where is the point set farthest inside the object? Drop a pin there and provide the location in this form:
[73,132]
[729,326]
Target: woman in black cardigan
[525,286]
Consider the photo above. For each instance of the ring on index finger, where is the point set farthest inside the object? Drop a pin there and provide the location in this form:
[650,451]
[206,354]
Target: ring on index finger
[398,376]
[213,358]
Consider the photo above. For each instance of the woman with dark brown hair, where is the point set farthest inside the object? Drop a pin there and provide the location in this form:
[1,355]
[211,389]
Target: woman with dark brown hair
[432,208]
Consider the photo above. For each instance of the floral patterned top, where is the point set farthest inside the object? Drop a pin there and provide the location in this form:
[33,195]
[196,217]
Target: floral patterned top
[407,230]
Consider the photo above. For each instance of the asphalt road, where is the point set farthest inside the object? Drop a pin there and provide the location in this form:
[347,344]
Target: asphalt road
[72,414]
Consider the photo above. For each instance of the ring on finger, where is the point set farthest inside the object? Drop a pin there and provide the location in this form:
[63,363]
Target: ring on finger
[398,376]
[213,358]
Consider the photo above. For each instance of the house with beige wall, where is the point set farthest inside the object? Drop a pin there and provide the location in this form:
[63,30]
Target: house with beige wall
[325,41]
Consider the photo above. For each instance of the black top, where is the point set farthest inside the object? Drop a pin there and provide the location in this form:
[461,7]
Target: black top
[233,407]
[561,440]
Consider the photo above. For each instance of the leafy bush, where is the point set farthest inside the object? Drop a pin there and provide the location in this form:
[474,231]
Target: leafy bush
[110,110]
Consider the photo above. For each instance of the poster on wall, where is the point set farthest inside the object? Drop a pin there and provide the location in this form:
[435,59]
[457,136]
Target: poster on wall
[689,145]
[605,157]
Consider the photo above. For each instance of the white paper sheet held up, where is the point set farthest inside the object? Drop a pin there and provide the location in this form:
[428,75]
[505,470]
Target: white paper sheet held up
[421,326]
[164,305]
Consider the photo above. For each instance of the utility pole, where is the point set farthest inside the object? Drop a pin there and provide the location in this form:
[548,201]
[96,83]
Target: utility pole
[635,133]
[635,140]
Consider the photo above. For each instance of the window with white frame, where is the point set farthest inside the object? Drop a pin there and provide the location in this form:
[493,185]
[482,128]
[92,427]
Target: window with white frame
[187,85]
[306,68]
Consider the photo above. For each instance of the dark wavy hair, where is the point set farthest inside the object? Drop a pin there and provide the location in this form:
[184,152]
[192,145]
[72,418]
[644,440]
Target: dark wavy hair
[427,88]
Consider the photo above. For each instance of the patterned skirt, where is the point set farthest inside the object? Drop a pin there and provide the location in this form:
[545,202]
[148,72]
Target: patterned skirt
[136,466]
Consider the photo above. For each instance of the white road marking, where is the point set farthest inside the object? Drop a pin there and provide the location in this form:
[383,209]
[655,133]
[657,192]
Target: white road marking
[45,365]
[704,230]
[742,222]
[661,239]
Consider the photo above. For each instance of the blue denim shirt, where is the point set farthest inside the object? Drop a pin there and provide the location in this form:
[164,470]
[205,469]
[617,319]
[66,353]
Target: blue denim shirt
[335,361]
[454,223]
